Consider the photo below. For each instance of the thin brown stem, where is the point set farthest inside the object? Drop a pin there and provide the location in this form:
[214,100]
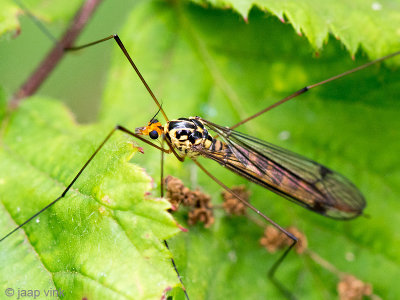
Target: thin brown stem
[324,263]
[51,60]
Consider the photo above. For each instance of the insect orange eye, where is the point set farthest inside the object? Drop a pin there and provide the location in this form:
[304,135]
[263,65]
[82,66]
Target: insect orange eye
[153,134]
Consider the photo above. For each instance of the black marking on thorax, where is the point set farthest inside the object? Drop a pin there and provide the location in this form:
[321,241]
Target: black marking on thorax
[188,133]
[182,123]
[194,136]
[185,133]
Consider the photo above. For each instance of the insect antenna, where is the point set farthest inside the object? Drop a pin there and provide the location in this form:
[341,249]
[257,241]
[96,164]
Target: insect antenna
[158,111]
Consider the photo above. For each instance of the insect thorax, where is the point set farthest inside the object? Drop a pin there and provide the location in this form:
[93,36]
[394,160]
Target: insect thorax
[187,134]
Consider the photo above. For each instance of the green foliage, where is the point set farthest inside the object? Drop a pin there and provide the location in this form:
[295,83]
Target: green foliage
[368,24]
[48,11]
[8,16]
[103,240]
[209,62]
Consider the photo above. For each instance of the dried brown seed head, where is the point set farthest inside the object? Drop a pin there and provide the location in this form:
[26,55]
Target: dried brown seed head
[201,214]
[233,205]
[178,193]
[200,203]
[352,288]
[302,242]
[274,239]
[200,199]
[176,190]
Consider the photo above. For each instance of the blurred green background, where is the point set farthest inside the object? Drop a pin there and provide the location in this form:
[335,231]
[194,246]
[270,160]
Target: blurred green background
[201,60]
[79,78]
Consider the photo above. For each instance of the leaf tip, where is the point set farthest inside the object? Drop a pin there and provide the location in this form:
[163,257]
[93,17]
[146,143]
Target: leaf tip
[164,294]
[16,32]
[136,148]
[181,227]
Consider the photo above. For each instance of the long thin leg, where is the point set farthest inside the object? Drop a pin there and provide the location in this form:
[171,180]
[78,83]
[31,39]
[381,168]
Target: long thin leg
[177,272]
[171,149]
[307,88]
[122,47]
[272,271]
[180,158]
[162,170]
[118,127]
[165,241]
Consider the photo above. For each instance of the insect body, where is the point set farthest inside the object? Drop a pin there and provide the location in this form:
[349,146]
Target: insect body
[288,174]
[188,135]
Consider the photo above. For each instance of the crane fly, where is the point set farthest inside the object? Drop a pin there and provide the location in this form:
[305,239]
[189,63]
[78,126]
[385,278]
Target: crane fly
[288,174]
[296,178]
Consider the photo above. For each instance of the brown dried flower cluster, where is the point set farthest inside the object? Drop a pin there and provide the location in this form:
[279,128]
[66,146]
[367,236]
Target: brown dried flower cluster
[233,205]
[199,203]
[177,193]
[352,288]
[273,239]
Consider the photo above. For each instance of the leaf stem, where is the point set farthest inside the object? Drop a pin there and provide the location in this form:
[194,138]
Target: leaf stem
[51,60]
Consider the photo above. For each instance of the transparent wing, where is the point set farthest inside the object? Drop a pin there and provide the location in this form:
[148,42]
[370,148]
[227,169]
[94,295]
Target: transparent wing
[291,175]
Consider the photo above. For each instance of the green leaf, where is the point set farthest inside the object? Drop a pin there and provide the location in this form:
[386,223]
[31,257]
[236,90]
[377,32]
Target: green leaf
[104,239]
[3,104]
[371,25]
[8,16]
[46,11]
[208,62]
